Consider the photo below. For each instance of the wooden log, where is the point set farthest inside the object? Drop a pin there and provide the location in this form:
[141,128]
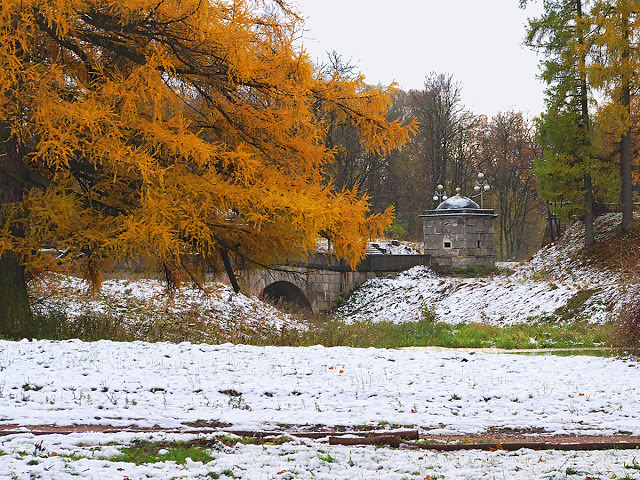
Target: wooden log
[396,442]
[452,447]
[386,440]
[403,434]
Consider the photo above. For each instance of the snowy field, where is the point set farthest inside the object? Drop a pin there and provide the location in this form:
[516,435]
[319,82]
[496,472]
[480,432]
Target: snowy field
[31,457]
[168,385]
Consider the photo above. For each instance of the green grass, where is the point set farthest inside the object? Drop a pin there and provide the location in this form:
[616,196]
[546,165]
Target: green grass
[140,452]
[227,472]
[572,309]
[466,335]
[327,458]
[633,466]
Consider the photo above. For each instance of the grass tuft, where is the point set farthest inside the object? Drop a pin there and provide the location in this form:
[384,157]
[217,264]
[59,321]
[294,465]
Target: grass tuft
[573,308]
[140,452]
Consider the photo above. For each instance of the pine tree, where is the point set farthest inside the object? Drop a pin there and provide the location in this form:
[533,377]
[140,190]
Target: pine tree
[561,35]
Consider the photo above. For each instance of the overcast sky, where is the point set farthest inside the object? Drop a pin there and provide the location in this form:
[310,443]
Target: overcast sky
[478,41]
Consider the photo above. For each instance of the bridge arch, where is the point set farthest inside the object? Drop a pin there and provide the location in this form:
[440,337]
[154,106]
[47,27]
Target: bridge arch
[319,282]
[287,296]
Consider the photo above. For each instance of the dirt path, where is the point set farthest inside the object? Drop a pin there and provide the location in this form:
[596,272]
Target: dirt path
[495,440]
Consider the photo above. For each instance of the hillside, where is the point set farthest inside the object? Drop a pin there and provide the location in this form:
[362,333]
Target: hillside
[562,281]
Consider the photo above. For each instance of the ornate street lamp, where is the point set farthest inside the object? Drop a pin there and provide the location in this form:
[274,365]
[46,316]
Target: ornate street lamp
[482,185]
[440,195]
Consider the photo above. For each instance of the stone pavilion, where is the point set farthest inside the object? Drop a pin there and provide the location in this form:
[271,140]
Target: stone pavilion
[459,235]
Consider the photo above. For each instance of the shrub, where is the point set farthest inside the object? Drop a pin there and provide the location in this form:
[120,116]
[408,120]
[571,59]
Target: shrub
[628,331]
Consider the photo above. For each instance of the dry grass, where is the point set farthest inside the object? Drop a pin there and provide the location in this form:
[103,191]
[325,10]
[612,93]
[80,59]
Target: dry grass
[628,327]
[189,326]
[426,332]
[619,252]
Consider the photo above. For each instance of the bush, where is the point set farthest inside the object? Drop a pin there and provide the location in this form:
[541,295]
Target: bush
[399,229]
[628,331]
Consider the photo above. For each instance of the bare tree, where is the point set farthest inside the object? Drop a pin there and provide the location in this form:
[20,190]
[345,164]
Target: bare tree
[444,140]
[353,166]
[508,151]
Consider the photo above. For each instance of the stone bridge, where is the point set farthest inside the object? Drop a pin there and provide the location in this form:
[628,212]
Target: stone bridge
[317,284]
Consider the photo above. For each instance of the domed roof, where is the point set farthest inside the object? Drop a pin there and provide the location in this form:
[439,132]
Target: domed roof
[457,202]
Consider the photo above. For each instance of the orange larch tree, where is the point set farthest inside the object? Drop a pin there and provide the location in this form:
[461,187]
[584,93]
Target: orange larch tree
[165,128]
[615,72]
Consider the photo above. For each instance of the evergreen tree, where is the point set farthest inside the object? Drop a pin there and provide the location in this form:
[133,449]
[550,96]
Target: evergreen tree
[565,127]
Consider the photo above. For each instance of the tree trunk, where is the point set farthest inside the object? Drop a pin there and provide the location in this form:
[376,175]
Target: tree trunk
[229,269]
[552,237]
[627,181]
[589,237]
[626,193]
[15,311]
[586,141]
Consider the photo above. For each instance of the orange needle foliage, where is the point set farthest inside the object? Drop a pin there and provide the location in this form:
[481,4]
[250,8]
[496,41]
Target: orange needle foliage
[167,127]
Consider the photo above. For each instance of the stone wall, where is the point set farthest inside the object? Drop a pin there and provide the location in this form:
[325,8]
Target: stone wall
[459,239]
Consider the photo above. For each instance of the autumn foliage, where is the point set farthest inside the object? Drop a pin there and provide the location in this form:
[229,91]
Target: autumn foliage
[163,128]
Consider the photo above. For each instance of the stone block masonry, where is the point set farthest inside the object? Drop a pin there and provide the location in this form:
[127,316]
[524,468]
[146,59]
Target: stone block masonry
[459,239]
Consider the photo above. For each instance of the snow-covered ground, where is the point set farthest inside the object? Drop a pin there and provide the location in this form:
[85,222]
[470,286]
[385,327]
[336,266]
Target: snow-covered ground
[380,247]
[169,385]
[136,299]
[498,300]
[29,457]
[165,384]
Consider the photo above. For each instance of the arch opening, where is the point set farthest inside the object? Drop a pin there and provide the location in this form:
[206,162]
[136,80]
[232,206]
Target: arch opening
[287,297]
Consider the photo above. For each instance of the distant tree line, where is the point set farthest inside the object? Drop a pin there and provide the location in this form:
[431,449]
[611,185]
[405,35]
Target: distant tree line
[577,159]
[450,147]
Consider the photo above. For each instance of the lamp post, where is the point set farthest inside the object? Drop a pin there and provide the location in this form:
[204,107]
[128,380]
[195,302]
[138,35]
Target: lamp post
[482,185]
[440,195]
